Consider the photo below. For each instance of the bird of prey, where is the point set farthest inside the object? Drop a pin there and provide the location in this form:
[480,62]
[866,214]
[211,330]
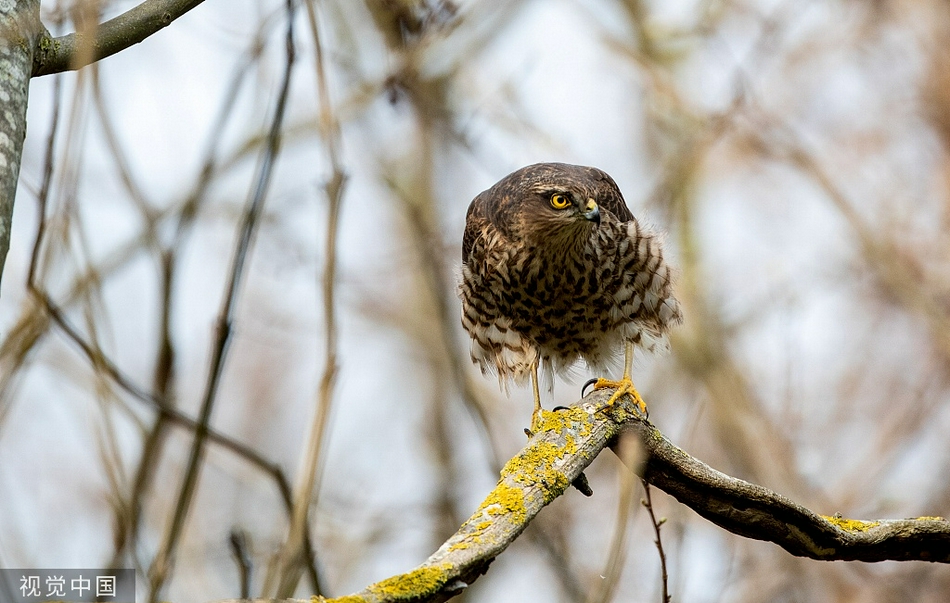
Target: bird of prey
[556,269]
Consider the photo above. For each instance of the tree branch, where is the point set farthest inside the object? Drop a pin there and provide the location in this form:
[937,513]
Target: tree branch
[568,440]
[55,55]
[756,512]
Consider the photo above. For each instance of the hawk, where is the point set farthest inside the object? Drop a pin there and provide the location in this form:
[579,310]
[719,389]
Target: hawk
[556,269]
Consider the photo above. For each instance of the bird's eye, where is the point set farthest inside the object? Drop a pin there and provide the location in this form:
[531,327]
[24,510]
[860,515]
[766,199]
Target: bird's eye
[559,201]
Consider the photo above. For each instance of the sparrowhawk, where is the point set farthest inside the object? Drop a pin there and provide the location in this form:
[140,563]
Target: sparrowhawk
[555,269]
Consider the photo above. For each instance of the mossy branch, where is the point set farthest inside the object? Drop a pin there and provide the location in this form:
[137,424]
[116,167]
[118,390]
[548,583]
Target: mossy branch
[54,55]
[568,440]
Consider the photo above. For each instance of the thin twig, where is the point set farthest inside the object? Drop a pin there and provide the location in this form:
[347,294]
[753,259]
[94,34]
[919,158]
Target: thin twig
[648,503]
[107,367]
[118,154]
[294,552]
[629,449]
[42,197]
[239,550]
[161,567]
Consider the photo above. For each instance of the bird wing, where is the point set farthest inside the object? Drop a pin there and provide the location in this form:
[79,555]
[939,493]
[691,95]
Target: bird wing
[475,221]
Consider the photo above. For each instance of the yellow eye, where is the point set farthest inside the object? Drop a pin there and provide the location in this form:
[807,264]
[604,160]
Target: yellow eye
[559,201]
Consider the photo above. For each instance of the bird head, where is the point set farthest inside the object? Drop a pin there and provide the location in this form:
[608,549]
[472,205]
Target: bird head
[553,207]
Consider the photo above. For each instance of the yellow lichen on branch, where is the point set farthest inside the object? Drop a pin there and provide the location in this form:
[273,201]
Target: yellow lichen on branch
[850,525]
[503,500]
[416,584]
[535,467]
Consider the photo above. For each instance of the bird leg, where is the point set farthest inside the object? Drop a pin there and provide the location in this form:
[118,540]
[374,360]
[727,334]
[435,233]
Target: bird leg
[625,385]
[536,415]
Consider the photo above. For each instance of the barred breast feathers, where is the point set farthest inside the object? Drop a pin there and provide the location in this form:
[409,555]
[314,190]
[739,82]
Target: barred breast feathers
[640,307]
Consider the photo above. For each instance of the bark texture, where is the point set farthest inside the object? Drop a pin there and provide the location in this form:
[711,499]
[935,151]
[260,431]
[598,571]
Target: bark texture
[20,28]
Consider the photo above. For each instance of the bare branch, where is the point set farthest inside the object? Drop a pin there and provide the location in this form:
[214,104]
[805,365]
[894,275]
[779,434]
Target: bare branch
[605,589]
[756,512]
[55,55]
[664,576]
[297,551]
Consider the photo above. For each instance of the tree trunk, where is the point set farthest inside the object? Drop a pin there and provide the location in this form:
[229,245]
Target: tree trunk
[20,28]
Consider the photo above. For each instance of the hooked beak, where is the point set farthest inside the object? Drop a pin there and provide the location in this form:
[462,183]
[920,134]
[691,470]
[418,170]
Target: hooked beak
[592,212]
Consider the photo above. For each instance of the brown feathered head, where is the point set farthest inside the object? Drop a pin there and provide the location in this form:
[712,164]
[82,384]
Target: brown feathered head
[550,204]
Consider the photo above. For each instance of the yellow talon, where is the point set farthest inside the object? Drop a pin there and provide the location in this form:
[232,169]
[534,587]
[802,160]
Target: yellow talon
[624,386]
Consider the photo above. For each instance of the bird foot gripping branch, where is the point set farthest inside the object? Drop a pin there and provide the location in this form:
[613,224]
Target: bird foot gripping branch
[624,386]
